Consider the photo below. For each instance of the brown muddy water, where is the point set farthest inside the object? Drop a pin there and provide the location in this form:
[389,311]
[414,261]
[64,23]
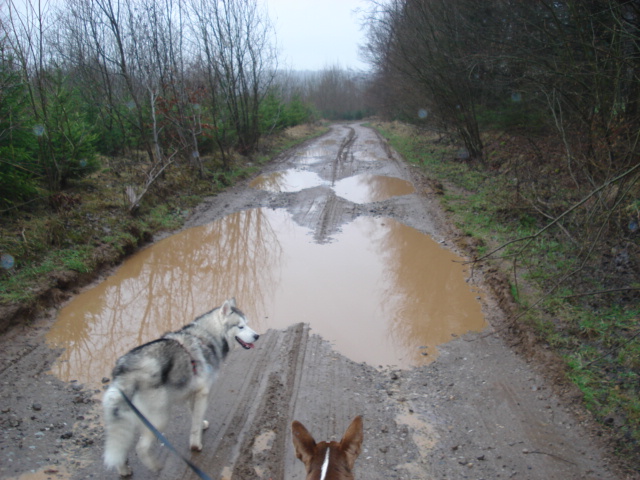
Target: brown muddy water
[381,292]
[371,188]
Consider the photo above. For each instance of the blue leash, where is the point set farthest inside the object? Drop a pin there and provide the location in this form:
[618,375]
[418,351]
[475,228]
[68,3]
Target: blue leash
[162,438]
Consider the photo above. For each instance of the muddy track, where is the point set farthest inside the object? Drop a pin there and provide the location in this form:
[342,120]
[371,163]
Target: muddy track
[344,158]
[387,148]
[477,411]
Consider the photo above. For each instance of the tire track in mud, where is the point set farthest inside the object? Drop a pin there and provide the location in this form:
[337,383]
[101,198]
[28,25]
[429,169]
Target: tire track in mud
[333,207]
[322,211]
[344,154]
[328,219]
[279,396]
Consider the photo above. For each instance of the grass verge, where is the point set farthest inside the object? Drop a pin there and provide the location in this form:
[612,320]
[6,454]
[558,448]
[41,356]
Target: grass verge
[597,337]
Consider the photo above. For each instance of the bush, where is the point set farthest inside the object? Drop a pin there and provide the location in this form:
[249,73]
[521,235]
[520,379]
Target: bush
[512,115]
[66,140]
[17,147]
[276,114]
[16,183]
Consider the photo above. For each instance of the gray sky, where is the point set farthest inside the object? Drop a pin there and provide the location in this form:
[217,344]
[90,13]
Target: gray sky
[314,34]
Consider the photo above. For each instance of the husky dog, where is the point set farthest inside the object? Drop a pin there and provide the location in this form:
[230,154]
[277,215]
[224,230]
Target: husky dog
[179,366]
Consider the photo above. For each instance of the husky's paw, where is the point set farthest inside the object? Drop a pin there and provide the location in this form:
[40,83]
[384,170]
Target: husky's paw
[124,470]
[195,440]
[151,462]
[205,424]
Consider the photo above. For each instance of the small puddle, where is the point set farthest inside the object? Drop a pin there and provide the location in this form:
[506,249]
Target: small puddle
[382,292]
[311,156]
[357,189]
[287,181]
[371,188]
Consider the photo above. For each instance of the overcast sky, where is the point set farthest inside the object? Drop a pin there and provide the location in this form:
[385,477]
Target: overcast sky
[314,34]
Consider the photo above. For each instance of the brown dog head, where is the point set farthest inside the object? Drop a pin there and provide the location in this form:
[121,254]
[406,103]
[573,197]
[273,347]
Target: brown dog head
[328,460]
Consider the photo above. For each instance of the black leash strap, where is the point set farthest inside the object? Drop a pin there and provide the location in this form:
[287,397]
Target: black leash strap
[163,439]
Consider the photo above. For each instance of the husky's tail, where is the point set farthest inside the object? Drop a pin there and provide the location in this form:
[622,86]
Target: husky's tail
[121,425]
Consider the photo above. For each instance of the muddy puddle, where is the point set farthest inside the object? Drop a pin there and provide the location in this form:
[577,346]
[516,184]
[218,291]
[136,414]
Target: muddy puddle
[381,292]
[371,188]
[357,188]
[311,156]
[292,180]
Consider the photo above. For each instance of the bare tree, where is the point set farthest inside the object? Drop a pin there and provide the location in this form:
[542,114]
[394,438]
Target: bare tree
[238,61]
[430,43]
[134,53]
[156,75]
[337,93]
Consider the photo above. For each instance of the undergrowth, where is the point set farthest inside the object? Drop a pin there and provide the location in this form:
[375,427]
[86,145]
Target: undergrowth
[92,227]
[597,336]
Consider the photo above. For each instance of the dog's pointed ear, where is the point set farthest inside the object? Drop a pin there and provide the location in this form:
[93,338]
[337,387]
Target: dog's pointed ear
[351,443]
[303,442]
[227,307]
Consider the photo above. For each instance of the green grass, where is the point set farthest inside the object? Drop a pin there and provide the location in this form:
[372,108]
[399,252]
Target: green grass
[78,259]
[24,284]
[122,242]
[605,366]
[163,217]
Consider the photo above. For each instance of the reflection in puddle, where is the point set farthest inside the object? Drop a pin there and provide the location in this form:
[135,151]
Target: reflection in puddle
[311,156]
[287,181]
[164,287]
[357,189]
[382,293]
[371,188]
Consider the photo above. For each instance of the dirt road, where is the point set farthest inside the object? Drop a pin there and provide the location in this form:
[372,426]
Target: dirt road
[479,411]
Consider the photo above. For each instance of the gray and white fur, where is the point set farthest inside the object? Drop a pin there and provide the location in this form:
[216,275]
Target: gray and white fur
[178,367]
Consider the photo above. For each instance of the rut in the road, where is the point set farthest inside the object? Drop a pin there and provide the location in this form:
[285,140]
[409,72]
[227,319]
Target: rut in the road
[344,154]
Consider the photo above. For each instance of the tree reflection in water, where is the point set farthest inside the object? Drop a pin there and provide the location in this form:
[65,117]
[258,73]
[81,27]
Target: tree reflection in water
[379,290]
[166,286]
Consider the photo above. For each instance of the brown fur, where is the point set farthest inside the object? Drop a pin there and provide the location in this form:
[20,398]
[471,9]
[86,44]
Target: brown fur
[342,456]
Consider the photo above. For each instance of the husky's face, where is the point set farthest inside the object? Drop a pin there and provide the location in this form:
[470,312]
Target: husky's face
[244,335]
[237,328]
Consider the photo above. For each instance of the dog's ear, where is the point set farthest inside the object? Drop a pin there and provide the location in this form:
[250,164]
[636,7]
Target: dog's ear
[227,307]
[351,443]
[303,442]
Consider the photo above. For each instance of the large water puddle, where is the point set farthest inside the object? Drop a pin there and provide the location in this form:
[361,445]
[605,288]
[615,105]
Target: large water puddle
[358,188]
[382,292]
